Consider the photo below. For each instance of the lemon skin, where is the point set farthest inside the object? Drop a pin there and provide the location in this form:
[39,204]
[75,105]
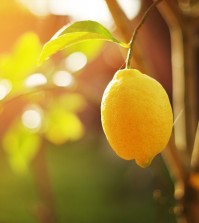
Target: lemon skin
[136,116]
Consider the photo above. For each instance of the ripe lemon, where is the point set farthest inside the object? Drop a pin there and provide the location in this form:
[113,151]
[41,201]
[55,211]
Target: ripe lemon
[136,116]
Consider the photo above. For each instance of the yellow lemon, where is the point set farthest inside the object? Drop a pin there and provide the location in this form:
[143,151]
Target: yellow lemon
[136,116]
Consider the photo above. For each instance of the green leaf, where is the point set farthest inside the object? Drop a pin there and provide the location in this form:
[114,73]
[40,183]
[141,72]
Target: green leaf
[21,145]
[90,48]
[62,126]
[76,33]
[72,102]
[22,60]
[17,65]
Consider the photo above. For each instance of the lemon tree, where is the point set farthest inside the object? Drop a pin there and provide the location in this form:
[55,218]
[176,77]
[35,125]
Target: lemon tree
[136,112]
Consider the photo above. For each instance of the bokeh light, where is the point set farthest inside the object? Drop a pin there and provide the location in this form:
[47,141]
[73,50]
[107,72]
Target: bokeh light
[37,7]
[5,88]
[131,8]
[96,10]
[32,118]
[35,80]
[63,79]
[82,10]
[76,61]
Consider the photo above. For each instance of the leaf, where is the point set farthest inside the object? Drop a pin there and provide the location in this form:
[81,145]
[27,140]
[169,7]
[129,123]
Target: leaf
[90,48]
[72,102]
[21,62]
[62,126]
[21,145]
[76,33]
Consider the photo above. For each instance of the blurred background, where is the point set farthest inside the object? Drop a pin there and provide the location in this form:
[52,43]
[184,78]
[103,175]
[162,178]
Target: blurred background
[55,163]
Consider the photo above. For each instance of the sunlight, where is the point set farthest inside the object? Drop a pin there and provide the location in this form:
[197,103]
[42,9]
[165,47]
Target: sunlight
[32,118]
[82,10]
[37,7]
[131,8]
[35,80]
[76,61]
[96,10]
[5,88]
[63,79]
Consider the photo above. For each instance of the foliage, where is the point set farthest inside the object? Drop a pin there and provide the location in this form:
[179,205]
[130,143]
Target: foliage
[59,122]
[47,111]
[16,67]
[21,146]
[76,33]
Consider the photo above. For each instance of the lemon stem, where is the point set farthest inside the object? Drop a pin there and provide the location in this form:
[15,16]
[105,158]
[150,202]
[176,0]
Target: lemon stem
[135,32]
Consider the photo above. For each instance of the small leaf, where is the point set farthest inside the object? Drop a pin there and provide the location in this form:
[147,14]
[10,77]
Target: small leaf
[62,126]
[76,33]
[72,102]
[22,60]
[17,65]
[21,146]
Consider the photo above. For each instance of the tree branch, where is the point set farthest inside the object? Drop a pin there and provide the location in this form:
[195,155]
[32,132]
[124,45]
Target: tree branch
[195,153]
[46,209]
[122,22]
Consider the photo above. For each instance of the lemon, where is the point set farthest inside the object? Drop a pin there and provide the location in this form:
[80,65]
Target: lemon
[136,116]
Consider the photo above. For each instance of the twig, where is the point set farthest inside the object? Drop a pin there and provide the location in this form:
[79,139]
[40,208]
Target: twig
[29,92]
[130,52]
[195,153]
[125,27]
[171,157]
[178,175]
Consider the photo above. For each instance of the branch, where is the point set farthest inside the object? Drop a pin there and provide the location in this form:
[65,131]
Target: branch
[171,157]
[176,168]
[30,92]
[195,153]
[46,210]
[122,22]
[125,28]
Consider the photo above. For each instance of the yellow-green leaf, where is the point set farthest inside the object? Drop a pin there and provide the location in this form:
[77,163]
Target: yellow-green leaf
[62,126]
[22,60]
[76,33]
[16,66]
[21,145]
